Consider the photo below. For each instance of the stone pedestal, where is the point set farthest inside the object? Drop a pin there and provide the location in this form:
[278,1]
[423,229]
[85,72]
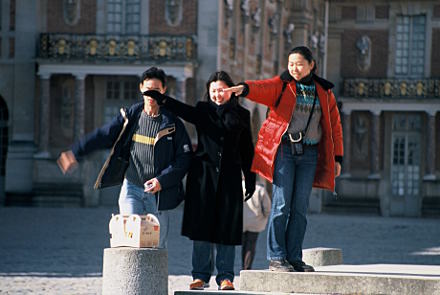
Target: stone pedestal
[129,271]
[322,256]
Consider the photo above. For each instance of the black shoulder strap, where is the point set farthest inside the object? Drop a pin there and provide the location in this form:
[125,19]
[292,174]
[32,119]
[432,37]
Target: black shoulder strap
[277,102]
[311,113]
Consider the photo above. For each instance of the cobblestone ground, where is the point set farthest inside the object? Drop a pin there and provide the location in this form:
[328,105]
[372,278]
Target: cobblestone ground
[59,250]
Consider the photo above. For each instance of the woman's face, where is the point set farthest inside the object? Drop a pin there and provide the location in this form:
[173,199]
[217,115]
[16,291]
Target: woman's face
[216,93]
[299,67]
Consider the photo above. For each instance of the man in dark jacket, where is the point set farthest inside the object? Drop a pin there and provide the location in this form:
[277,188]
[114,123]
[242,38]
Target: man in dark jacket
[150,154]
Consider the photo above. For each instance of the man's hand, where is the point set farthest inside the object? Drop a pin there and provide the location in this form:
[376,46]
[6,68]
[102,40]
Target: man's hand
[152,186]
[249,193]
[156,95]
[67,162]
[337,169]
[238,90]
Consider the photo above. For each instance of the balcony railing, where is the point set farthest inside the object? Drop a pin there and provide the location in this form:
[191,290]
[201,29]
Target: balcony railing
[391,88]
[116,48]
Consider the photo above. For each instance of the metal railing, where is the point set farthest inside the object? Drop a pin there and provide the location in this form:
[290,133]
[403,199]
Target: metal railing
[391,88]
[116,48]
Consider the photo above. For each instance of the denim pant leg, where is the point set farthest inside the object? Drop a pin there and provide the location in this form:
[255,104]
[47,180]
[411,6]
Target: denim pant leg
[284,175]
[133,200]
[130,199]
[164,220]
[225,263]
[202,260]
[296,228]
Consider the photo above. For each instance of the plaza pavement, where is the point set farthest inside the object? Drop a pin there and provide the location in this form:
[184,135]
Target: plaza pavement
[59,250]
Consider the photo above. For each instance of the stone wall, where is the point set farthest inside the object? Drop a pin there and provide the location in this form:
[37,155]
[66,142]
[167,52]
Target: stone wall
[56,22]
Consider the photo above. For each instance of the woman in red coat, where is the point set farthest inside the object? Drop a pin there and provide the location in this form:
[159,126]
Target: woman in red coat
[299,146]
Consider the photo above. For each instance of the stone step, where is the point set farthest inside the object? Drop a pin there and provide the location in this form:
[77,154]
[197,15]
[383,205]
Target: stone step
[57,195]
[346,279]
[236,292]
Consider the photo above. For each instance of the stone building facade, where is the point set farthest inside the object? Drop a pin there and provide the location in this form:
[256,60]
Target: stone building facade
[67,67]
[383,58]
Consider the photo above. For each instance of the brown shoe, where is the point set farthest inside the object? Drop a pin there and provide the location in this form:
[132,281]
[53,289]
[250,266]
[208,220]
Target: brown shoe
[226,285]
[197,284]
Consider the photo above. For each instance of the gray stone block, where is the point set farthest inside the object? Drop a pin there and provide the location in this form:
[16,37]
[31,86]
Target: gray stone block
[129,271]
[340,283]
[322,256]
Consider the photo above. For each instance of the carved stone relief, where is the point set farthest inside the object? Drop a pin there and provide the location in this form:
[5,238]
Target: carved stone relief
[173,12]
[66,108]
[360,140]
[288,34]
[71,11]
[363,58]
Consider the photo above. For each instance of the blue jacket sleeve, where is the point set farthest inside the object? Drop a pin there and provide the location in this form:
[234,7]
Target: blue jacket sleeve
[172,175]
[101,138]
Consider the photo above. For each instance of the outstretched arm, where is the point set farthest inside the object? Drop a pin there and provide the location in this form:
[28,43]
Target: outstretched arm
[100,138]
[265,92]
[186,112]
[67,161]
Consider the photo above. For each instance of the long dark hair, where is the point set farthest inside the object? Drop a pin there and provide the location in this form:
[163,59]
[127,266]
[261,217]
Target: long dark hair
[218,76]
[306,53]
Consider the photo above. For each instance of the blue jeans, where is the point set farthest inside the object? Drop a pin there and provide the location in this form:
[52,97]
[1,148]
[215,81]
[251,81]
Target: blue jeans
[292,185]
[133,200]
[203,261]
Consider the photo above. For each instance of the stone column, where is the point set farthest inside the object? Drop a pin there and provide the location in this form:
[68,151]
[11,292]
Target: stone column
[79,106]
[430,147]
[135,271]
[346,131]
[43,150]
[374,145]
[181,89]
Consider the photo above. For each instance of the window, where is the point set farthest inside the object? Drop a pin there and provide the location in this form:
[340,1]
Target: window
[4,116]
[406,155]
[123,17]
[132,17]
[11,15]
[113,89]
[119,92]
[114,16]
[410,45]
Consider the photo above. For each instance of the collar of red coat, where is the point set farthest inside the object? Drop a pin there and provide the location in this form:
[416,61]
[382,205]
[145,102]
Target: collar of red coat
[327,85]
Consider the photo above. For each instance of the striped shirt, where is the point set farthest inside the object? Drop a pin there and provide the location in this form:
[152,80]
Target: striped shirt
[141,166]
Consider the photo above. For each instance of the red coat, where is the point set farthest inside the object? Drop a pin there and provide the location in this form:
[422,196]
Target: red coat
[269,138]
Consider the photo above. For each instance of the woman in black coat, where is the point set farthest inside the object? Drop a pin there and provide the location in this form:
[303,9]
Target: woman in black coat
[214,196]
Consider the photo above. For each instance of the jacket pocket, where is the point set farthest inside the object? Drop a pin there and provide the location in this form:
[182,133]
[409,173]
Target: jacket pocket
[114,173]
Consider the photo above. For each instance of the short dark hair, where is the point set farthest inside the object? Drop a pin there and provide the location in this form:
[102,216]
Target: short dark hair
[219,76]
[154,73]
[306,53]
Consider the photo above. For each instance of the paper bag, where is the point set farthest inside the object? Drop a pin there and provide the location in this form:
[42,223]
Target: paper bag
[139,231]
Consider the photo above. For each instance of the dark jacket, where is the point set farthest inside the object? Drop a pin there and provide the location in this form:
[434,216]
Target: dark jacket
[214,195]
[172,153]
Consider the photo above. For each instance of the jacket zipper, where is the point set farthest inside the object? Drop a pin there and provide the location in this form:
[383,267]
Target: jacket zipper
[159,135]
[107,161]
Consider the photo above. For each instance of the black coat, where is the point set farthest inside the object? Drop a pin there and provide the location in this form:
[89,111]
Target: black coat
[214,196]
